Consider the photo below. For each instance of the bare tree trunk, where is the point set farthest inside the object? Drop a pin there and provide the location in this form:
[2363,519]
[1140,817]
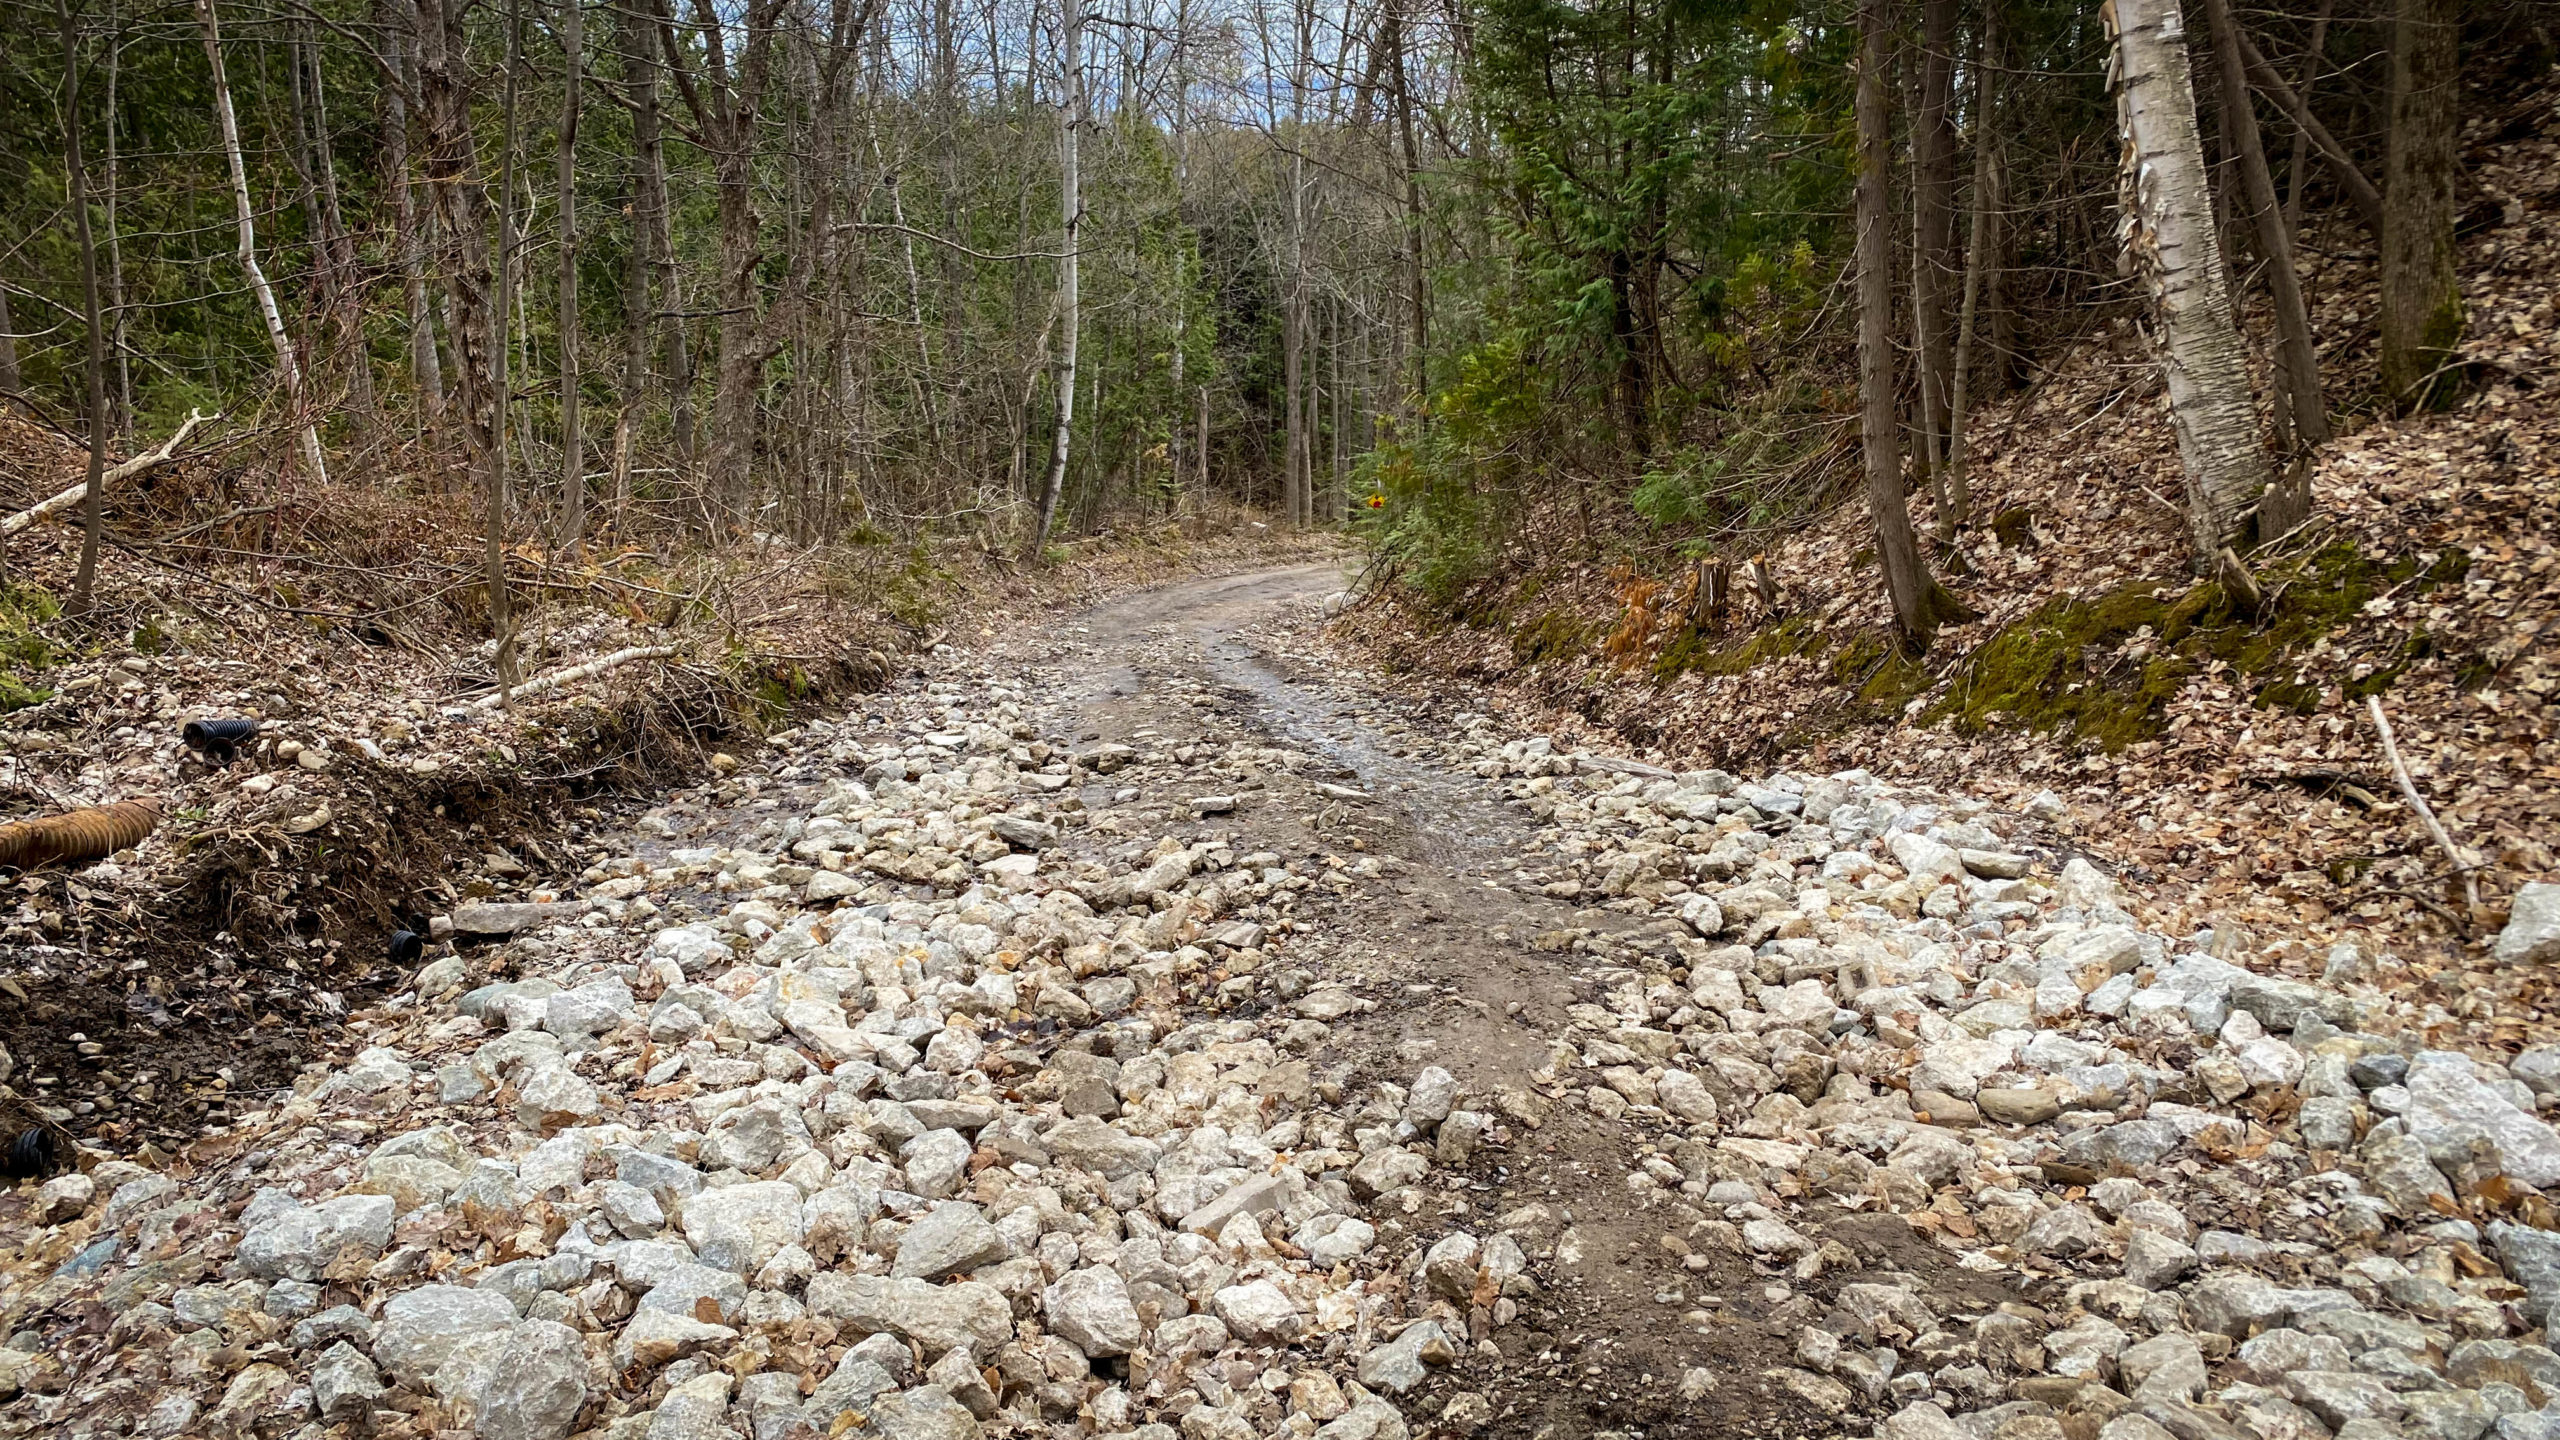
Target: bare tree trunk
[725,107]
[452,165]
[76,183]
[8,345]
[117,347]
[2421,290]
[1418,291]
[2297,164]
[1071,213]
[501,622]
[1897,552]
[227,130]
[408,237]
[2368,200]
[573,446]
[2169,241]
[344,289]
[1181,267]
[2302,416]
[1980,241]
[1933,189]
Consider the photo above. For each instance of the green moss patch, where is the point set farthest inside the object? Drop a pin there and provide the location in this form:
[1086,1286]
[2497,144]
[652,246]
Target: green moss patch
[2105,668]
[1554,635]
[1694,652]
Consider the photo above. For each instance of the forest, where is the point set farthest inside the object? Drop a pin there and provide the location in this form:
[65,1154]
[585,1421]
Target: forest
[1017,270]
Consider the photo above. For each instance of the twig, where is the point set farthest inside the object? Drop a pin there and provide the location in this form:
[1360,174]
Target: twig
[2462,860]
[574,673]
[125,471]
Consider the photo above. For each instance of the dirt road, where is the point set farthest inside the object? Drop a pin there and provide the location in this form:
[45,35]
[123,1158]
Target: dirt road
[1473,968]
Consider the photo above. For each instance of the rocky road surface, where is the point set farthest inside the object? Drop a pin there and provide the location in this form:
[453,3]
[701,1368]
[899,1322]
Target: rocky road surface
[1151,1027]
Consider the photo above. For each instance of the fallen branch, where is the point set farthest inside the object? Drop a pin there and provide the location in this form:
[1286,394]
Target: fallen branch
[2462,860]
[139,464]
[573,674]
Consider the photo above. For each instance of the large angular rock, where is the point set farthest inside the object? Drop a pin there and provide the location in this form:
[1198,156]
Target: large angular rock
[344,1384]
[952,1237]
[1400,1364]
[513,918]
[1091,1309]
[2532,933]
[655,1337]
[1104,1149]
[2280,1004]
[537,1384]
[421,1327]
[2449,1108]
[851,1386]
[925,1413]
[305,1241]
[1258,1311]
[2532,1258]
[937,1317]
[741,1226]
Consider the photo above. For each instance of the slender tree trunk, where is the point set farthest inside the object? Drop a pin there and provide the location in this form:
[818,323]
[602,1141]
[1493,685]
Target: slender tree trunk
[2169,240]
[501,621]
[573,440]
[408,234]
[1181,269]
[2298,161]
[2302,415]
[1417,288]
[345,287]
[1335,486]
[227,130]
[8,346]
[633,41]
[657,212]
[1071,226]
[1897,551]
[445,83]
[1293,334]
[1933,183]
[117,347]
[1980,243]
[2421,289]
[76,183]
[2367,199]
